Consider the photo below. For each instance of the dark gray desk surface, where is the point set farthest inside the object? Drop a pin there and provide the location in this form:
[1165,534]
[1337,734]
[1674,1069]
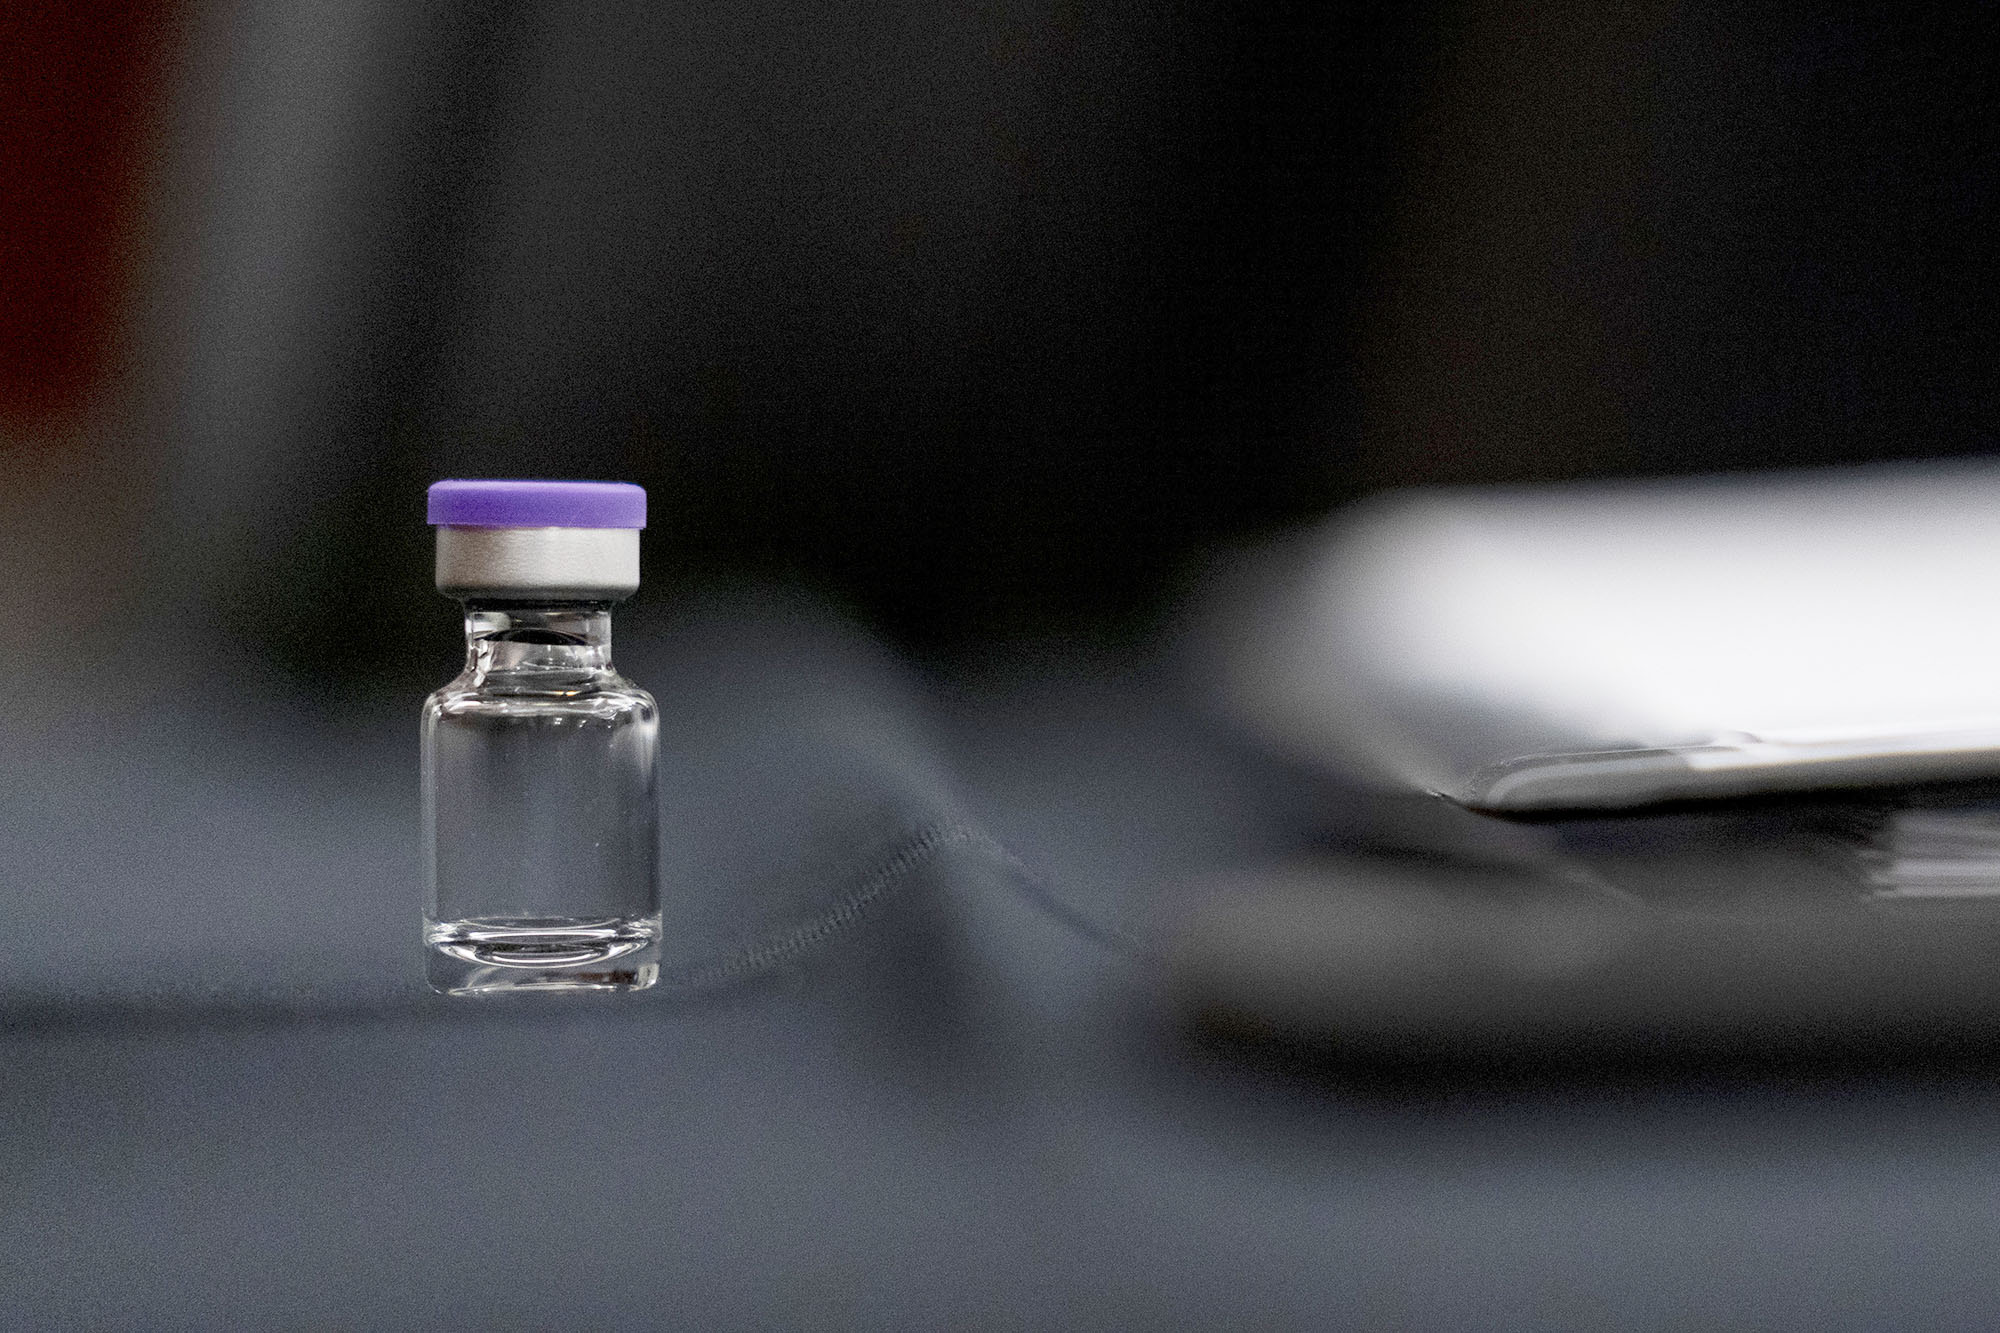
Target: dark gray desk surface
[908,1070]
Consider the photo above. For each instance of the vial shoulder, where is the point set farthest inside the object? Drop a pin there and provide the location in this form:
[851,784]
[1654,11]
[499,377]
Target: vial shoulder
[605,696]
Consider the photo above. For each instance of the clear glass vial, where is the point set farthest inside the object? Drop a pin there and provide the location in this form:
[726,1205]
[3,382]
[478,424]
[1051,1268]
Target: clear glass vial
[539,811]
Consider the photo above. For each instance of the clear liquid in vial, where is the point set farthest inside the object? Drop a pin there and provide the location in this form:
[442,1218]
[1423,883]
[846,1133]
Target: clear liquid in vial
[542,833]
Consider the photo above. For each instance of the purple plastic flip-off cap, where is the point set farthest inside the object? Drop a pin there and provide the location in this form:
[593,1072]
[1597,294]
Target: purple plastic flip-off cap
[537,504]
[537,539]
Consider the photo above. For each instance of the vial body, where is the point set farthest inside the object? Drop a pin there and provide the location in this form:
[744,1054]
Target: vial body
[540,811]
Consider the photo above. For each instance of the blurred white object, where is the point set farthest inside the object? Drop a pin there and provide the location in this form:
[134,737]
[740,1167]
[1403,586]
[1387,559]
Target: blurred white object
[1618,644]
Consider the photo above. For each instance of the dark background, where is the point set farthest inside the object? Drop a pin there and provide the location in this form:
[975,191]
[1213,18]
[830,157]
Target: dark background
[984,320]
[991,331]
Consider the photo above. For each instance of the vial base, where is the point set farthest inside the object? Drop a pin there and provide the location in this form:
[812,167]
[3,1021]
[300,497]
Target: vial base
[507,955]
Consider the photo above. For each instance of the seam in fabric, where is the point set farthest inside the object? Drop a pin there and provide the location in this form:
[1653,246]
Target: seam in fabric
[851,906]
[883,883]
[1037,891]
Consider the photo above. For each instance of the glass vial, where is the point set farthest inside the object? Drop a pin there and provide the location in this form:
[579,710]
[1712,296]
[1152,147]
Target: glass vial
[540,818]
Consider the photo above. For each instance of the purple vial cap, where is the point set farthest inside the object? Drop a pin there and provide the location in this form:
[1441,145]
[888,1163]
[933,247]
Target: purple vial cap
[537,504]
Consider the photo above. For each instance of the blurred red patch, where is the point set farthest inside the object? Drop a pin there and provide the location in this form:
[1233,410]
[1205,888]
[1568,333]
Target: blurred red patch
[79,104]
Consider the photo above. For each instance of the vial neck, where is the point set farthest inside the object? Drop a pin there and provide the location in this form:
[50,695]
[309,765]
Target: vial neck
[519,640]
